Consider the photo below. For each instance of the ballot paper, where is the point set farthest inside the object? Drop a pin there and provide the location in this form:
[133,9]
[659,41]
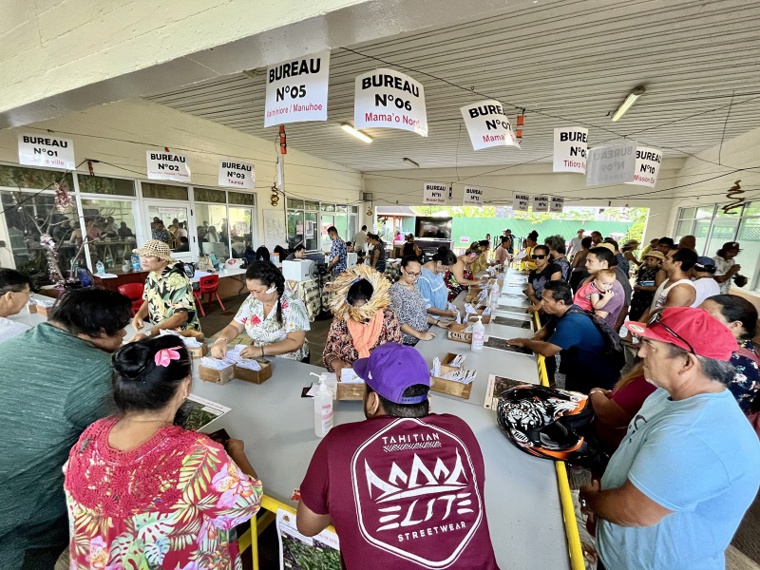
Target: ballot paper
[218,363]
[348,376]
[457,361]
[188,341]
[460,375]
[249,364]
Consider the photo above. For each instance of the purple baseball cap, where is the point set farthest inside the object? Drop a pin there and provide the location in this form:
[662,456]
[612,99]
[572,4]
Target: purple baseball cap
[391,369]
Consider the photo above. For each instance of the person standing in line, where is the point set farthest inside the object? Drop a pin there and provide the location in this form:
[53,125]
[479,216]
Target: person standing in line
[678,289]
[622,262]
[502,253]
[377,253]
[338,252]
[596,238]
[665,245]
[556,245]
[360,240]
[627,250]
[15,288]
[704,283]
[649,277]
[575,243]
[579,273]
[410,248]
[597,259]
[651,247]
[432,285]
[676,489]
[510,241]
[726,266]
[688,242]
[348,484]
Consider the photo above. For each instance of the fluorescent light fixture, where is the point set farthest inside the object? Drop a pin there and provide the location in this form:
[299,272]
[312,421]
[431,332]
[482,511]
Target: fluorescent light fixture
[410,161]
[358,134]
[629,101]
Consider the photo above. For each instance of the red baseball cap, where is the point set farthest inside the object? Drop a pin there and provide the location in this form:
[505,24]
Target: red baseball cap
[694,330]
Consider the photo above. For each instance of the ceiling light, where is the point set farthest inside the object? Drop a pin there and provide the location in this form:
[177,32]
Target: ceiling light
[358,134]
[629,101]
[410,161]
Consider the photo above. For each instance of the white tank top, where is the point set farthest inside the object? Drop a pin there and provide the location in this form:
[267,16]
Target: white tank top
[662,292]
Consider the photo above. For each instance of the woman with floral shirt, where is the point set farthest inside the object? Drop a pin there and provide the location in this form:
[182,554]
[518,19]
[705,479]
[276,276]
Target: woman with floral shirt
[275,321]
[740,316]
[144,493]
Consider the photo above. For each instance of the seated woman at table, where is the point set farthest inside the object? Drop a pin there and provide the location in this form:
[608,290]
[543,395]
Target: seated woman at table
[614,409]
[168,301]
[142,492]
[432,286]
[409,305]
[275,320]
[362,320]
[460,274]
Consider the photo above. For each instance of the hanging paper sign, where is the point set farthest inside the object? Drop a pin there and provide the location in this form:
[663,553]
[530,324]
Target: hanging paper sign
[570,149]
[648,161]
[472,196]
[435,193]
[385,98]
[46,150]
[556,204]
[540,203]
[236,174]
[163,165]
[487,125]
[297,90]
[612,164]
[520,203]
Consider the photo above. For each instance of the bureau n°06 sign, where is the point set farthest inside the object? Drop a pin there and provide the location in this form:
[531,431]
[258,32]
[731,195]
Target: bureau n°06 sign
[388,99]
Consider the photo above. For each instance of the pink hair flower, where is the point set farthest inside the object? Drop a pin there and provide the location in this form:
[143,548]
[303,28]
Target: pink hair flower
[166,355]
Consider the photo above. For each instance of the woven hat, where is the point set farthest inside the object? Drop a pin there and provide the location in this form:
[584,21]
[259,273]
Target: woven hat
[155,248]
[656,254]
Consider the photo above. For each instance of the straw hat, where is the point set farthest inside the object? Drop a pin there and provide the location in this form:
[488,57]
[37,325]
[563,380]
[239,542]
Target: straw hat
[606,246]
[631,243]
[656,254]
[155,248]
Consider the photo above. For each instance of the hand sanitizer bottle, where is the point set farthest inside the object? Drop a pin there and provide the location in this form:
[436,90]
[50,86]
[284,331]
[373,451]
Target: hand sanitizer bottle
[100,268]
[478,335]
[323,409]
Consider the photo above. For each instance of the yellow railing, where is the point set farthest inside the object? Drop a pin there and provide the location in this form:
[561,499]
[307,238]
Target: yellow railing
[566,499]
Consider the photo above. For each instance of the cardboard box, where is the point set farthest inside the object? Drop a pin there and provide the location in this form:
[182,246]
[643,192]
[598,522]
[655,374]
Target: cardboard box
[472,293]
[216,376]
[450,387]
[473,318]
[255,376]
[350,391]
[456,332]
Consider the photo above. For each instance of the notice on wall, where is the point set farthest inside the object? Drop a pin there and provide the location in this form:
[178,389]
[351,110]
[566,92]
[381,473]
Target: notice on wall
[297,90]
[488,125]
[520,203]
[647,168]
[541,203]
[556,204]
[611,164]
[570,149]
[236,174]
[163,165]
[46,150]
[472,196]
[434,193]
[385,98]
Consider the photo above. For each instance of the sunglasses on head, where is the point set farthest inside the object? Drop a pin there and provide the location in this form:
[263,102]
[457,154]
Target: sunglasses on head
[657,320]
[537,256]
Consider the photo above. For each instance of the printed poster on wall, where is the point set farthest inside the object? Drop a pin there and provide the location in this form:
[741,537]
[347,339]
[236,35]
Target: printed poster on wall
[647,168]
[46,150]
[163,165]
[297,90]
[385,98]
[570,149]
[556,204]
[472,196]
[541,203]
[434,193]
[488,125]
[235,174]
[520,203]
[611,164]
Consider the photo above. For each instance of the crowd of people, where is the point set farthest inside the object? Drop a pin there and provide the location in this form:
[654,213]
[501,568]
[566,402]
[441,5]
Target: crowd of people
[93,460]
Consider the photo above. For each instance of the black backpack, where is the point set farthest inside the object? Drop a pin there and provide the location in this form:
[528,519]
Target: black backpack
[615,351]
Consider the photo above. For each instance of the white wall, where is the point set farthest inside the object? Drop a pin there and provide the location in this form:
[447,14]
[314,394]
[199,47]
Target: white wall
[405,187]
[120,133]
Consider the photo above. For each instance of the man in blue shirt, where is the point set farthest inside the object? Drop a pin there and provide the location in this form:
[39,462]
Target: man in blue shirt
[338,252]
[679,484]
[575,336]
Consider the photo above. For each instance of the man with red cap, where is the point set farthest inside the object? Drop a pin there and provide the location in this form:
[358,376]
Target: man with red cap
[687,470]
[404,489]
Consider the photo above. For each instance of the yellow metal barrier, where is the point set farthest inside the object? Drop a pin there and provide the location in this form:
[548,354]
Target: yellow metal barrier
[566,499]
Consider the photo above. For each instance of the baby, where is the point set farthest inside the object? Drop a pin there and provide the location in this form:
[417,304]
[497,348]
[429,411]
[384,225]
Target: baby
[595,294]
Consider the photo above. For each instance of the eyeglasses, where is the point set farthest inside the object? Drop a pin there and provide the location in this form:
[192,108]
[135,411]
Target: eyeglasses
[410,274]
[538,256]
[657,320]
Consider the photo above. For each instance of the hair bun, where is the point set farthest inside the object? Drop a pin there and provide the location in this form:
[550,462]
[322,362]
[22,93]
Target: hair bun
[131,360]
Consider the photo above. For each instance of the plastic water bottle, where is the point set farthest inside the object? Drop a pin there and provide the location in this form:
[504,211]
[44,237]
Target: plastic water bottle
[494,301]
[478,335]
[323,409]
[100,268]
[136,262]
[109,261]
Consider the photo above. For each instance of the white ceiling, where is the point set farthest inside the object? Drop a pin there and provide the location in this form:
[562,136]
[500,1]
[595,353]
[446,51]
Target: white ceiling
[567,62]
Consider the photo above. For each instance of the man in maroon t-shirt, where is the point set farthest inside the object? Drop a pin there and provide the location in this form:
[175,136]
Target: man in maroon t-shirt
[405,488]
